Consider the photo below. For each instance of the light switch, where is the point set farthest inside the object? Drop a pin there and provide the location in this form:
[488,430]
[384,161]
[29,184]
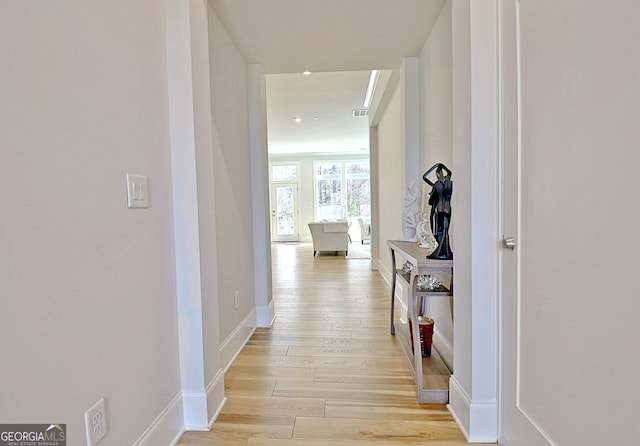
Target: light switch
[137,191]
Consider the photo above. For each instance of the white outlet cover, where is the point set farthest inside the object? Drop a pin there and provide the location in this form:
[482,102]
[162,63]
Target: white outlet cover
[95,420]
[137,191]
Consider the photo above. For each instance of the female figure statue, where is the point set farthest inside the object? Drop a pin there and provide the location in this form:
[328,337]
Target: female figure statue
[440,216]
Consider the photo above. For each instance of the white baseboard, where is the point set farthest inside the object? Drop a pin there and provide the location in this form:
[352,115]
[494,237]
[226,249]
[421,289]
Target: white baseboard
[265,315]
[167,428]
[231,347]
[385,272]
[459,403]
[195,411]
[216,398]
[478,420]
[188,411]
[503,442]
[444,348]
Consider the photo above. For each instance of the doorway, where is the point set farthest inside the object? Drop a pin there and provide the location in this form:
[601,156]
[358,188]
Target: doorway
[283,199]
[284,212]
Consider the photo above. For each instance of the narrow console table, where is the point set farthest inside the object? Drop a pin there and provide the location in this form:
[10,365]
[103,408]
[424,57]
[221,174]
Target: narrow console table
[430,374]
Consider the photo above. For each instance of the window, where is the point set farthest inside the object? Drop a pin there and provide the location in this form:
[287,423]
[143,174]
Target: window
[287,173]
[358,189]
[342,189]
[329,191]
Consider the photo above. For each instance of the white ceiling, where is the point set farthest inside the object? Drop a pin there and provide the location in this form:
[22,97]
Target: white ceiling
[325,37]
[329,97]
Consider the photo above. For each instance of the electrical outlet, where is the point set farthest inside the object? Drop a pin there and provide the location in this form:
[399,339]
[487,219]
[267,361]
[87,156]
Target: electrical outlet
[96,423]
[237,299]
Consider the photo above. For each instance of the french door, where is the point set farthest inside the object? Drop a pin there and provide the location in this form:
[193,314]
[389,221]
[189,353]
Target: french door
[284,212]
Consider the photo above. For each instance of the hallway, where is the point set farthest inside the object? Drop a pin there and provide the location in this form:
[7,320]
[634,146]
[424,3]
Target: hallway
[328,372]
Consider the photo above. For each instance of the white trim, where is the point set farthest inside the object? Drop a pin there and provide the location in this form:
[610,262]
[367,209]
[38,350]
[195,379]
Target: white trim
[459,404]
[234,343]
[476,419]
[474,386]
[443,347]
[260,192]
[217,412]
[167,428]
[188,79]
[195,411]
[385,272]
[215,396]
[265,315]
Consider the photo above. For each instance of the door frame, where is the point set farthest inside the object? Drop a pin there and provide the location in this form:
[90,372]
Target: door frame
[272,202]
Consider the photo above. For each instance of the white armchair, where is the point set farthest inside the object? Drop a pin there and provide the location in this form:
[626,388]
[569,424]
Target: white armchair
[330,236]
[365,230]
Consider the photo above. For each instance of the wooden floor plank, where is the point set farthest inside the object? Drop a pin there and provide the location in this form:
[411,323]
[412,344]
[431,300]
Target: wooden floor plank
[328,373]
[378,442]
[393,410]
[306,361]
[259,371]
[377,376]
[351,352]
[346,391]
[362,430]
[254,405]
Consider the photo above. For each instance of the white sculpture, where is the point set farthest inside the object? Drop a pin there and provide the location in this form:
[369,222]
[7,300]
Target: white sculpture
[425,236]
[411,214]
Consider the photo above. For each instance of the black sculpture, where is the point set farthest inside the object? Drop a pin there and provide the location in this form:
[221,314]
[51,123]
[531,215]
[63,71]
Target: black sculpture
[440,216]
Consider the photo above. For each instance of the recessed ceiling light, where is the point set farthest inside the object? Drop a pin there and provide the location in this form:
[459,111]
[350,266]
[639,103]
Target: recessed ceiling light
[298,119]
[315,118]
[306,73]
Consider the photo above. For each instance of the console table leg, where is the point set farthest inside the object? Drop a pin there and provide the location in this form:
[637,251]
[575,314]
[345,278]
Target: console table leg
[393,289]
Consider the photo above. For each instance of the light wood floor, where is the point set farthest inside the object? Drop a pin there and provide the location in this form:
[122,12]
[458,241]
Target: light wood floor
[328,373]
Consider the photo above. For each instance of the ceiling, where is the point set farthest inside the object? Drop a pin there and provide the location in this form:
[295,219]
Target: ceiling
[324,102]
[339,41]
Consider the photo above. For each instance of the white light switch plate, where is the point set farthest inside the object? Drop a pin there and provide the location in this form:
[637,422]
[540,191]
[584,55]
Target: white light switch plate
[137,191]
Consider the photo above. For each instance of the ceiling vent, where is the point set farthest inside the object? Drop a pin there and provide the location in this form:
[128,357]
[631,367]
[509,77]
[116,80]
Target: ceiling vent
[360,113]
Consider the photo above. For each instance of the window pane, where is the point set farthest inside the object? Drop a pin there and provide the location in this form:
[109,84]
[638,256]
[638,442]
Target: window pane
[357,168]
[329,199]
[284,210]
[358,198]
[328,169]
[284,173]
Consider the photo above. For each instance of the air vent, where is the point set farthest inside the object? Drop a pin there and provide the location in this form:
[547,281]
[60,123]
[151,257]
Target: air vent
[360,113]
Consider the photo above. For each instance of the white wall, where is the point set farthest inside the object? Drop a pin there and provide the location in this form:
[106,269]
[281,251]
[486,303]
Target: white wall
[232,185]
[433,127]
[390,171]
[436,103]
[88,286]
[436,146]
